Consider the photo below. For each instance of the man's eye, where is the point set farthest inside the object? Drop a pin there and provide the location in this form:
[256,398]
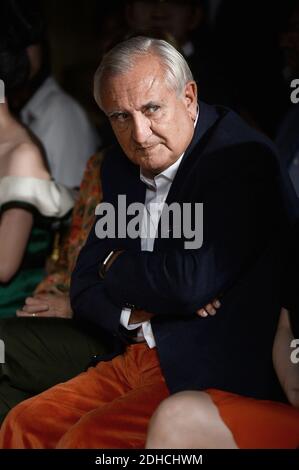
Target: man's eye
[120,117]
[152,109]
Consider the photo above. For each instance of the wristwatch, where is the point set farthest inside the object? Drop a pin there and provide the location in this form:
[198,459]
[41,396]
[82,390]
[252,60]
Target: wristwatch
[103,267]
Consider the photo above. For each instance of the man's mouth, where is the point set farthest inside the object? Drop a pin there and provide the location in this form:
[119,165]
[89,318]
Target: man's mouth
[147,148]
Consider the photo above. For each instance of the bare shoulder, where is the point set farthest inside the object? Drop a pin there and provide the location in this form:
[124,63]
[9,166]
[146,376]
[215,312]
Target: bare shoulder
[27,160]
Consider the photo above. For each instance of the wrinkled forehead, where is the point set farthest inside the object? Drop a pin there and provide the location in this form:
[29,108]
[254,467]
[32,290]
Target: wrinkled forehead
[144,78]
[138,67]
[127,95]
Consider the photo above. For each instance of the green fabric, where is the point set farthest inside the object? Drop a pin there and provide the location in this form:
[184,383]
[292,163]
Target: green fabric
[12,294]
[41,352]
[10,397]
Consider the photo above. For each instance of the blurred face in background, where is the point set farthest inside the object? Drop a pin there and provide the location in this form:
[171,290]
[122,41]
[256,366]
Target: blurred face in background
[289,42]
[175,17]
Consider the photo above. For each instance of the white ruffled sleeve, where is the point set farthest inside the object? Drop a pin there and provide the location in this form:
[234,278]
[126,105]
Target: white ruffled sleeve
[47,197]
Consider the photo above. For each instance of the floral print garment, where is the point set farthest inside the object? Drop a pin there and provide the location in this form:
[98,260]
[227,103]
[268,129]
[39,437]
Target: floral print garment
[82,219]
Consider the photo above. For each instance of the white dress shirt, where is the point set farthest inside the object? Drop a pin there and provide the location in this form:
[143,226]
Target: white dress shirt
[157,189]
[62,126]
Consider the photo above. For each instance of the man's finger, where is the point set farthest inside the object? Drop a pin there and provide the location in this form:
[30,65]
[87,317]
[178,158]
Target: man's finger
[207,310]
[202,313]
[210,309]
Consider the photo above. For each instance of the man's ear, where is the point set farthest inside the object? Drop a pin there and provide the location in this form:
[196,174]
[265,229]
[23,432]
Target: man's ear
[190,98]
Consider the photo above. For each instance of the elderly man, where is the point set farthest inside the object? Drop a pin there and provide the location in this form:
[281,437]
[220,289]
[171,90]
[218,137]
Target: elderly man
[149,290]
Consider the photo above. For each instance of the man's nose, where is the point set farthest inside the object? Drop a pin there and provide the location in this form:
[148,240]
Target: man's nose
[141,129]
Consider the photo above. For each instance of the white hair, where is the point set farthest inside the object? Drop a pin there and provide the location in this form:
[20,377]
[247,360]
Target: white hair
[122,58]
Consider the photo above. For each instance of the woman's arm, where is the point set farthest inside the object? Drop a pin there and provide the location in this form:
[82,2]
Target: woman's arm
[15,229]
[287,371]
[16,223]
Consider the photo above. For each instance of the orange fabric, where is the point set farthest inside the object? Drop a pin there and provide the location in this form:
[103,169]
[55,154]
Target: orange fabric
[258,424]
[109,406]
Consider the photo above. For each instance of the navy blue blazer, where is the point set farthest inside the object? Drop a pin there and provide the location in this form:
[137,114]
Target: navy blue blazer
[234,172]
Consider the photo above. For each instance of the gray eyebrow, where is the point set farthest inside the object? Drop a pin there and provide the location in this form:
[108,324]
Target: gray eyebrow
[150,103]
[115,113]
[144,106]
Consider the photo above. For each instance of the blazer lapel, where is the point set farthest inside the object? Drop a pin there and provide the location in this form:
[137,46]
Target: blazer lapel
[208,119]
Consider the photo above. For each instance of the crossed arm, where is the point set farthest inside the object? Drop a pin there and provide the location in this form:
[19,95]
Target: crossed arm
[287,371]
[243,211]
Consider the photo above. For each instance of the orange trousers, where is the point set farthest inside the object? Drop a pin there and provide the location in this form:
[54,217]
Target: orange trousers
[110,405]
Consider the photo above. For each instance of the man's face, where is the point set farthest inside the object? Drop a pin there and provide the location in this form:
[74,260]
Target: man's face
[173,17]
[153,125]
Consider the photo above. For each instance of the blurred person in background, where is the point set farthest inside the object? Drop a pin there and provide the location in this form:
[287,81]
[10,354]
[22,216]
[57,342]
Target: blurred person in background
[43,344]
[184,23]
[52,115]
[246,40]
[29,198]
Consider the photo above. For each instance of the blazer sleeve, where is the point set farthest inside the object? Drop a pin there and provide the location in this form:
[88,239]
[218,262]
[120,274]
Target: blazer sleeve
[243,211]
[89,299]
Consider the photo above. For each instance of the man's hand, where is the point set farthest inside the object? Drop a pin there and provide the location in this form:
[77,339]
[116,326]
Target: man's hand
[47,305]
[209,309]
[139,315]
